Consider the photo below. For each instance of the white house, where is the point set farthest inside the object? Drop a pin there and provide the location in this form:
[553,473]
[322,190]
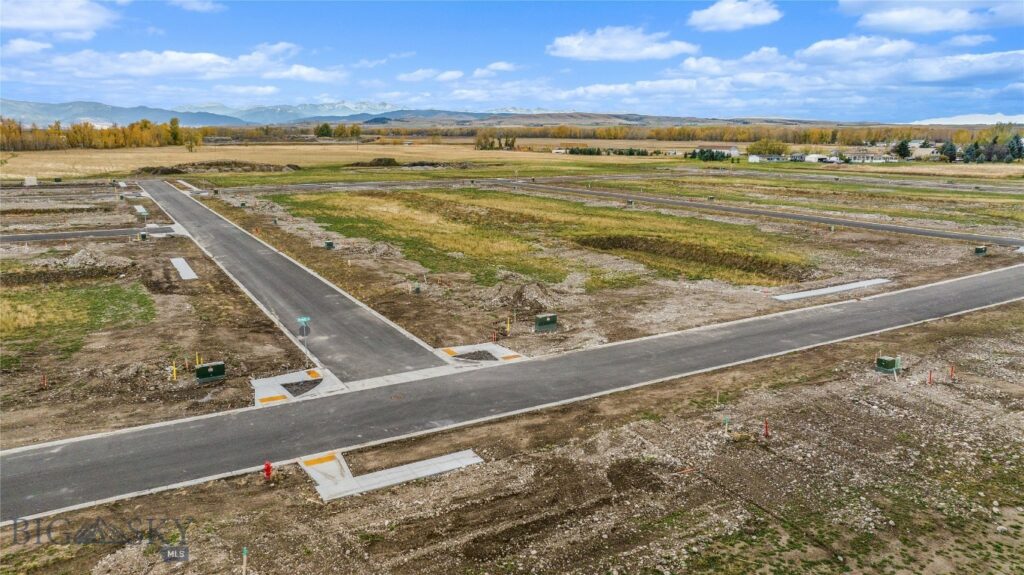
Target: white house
[814,158]
[757,159]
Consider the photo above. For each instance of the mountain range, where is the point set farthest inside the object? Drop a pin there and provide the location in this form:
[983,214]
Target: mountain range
[380,113]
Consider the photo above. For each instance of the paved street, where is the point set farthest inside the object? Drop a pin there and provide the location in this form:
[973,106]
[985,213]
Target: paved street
[56,236]
[47,478]
[347,338]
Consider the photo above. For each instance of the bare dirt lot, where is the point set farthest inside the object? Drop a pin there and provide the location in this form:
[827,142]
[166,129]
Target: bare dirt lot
[75,207]
[861,473]
[602,295]
[101,321]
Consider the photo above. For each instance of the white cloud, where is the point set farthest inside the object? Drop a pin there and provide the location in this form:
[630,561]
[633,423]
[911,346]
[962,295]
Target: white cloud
[619,43]
[449,76]
[923,18]
[265,61]
[247,90]
[962,66]
[67,19]
[418,75]
[493,68]
[21,46]
[970,40]
[729,15]
[857,48]
[367,63]
[974,119]
[198,5]
[430,74]
[306,74]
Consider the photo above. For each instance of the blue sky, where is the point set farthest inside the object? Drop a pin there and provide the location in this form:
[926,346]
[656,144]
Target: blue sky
[841,60]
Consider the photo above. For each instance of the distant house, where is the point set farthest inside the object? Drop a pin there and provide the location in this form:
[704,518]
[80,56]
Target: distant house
[218,140]
[758,159]
[926,153]
[559,151]
[798,157]
[675,152]
[815,158]
[732,152]
[915,143]
[871,158]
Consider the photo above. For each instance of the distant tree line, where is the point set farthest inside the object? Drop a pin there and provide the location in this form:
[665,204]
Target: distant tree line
[794,135]
[15,136]
[491,139]
[708,155]
[994,150]
[340,131]
[997,143]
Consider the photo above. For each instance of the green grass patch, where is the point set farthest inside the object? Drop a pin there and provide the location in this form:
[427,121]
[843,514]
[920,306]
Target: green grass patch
[601,280]
[481,232]
[961,207]
[348,173]
[62,315]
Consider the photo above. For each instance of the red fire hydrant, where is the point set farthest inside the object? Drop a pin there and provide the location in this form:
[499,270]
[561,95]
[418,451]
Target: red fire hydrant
[268,470]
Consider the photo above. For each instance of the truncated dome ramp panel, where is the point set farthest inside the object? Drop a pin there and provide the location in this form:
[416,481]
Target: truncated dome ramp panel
[333,478]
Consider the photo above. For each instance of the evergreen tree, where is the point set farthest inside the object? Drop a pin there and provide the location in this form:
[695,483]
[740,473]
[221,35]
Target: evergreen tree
[948,151]
[1016,147]
[902,149]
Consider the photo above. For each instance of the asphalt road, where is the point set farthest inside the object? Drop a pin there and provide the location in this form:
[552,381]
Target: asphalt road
[54,236]
[719,207]
[345,336]
[47,478]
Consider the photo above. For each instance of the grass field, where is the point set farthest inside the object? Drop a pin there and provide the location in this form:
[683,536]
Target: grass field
[482,232]
[962,207]
[60,316]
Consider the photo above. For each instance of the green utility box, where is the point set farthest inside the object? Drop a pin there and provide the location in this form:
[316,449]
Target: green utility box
[545,322]
[329,244]
[242,204]
[210,372]
[980,250]
[711,198]
[888,364]
[143,235]
[629,203]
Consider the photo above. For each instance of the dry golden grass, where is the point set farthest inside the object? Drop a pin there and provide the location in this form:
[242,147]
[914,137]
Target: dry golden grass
[78,163]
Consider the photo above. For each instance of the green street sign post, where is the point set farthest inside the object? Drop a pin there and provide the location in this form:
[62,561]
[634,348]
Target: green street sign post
[304,330]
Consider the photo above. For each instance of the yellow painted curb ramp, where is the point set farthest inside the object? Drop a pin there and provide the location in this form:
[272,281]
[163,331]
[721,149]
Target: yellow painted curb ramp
[274,390]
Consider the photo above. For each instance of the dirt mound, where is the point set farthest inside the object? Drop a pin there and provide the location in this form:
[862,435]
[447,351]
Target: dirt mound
[87,258]
[626,474]
[376,163]
[452,165]
[763,263]
[214,166]
[534,297]
[92,258]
